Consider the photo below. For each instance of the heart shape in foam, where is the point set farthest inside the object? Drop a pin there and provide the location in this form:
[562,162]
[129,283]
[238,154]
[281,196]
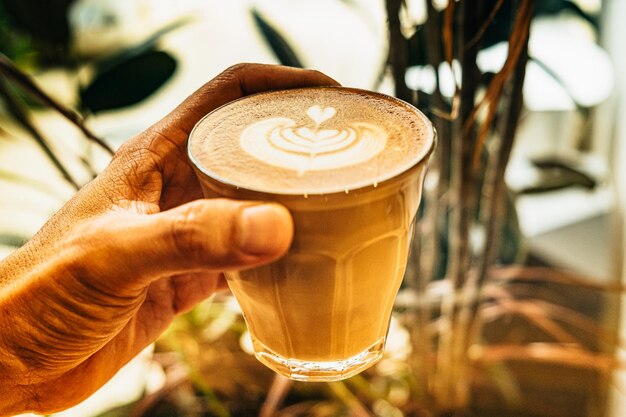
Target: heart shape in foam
[320,115]
[282,142]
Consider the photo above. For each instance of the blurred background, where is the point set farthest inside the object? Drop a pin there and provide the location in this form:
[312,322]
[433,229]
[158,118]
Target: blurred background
[529,238]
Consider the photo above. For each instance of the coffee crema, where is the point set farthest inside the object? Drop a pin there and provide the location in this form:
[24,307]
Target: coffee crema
[311,140]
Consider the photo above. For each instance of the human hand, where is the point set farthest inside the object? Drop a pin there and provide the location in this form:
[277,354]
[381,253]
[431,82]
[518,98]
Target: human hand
[134,248]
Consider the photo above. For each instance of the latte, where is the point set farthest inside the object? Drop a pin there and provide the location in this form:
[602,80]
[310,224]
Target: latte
[349,165]
[307,141]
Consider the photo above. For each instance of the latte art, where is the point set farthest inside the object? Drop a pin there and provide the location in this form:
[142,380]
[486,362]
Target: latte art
[280,142]
[309,141]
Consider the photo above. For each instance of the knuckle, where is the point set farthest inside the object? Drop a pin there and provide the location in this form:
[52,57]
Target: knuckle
[239,68]
[185,235]
[126,148]
[190,238]
[203,239]
[134,175]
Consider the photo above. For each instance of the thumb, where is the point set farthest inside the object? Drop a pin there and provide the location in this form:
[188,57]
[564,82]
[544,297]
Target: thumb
[208,234]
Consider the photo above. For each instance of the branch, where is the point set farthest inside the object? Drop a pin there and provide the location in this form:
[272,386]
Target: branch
[495,193]
[11,71]
[20,115]
[398,53]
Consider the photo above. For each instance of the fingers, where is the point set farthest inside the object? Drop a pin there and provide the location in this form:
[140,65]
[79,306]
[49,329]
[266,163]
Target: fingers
[204,235]
[192,288]
[235,82]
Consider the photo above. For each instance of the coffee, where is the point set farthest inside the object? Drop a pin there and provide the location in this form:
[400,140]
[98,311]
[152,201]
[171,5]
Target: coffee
[308,141]
[349,166]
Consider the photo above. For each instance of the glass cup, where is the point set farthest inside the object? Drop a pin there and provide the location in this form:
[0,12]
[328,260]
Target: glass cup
[322,312]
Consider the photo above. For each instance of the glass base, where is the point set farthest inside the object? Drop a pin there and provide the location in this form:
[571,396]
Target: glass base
[318,371]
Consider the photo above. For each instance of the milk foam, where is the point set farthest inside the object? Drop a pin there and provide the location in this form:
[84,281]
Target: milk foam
[310,140]
[282,142]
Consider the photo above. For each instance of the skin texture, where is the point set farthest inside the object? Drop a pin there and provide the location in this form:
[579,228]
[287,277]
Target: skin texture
[133,249]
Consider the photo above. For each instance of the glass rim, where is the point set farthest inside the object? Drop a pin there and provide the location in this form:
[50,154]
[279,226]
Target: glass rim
[422,157]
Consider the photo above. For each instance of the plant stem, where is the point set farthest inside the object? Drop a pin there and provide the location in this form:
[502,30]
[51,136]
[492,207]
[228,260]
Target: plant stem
[494,193]
[511,75]
[452,390]
[21,116]
[11,71]
[398,51]
[494,188]
[340,391]
[277,393]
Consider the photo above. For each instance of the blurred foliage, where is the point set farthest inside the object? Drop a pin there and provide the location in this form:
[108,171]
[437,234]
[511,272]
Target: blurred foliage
[35,33]
[284,53]
[129,82]
[210,375]
[36,37]
[17,45]
[498,13]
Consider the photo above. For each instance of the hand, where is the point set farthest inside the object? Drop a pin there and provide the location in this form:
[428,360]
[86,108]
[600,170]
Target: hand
[134,248]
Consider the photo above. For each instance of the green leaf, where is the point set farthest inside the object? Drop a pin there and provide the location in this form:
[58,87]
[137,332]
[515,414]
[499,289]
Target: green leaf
[553,7]
[11,240]
[118,57]
[281,48]
[45,20]
[128,82]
